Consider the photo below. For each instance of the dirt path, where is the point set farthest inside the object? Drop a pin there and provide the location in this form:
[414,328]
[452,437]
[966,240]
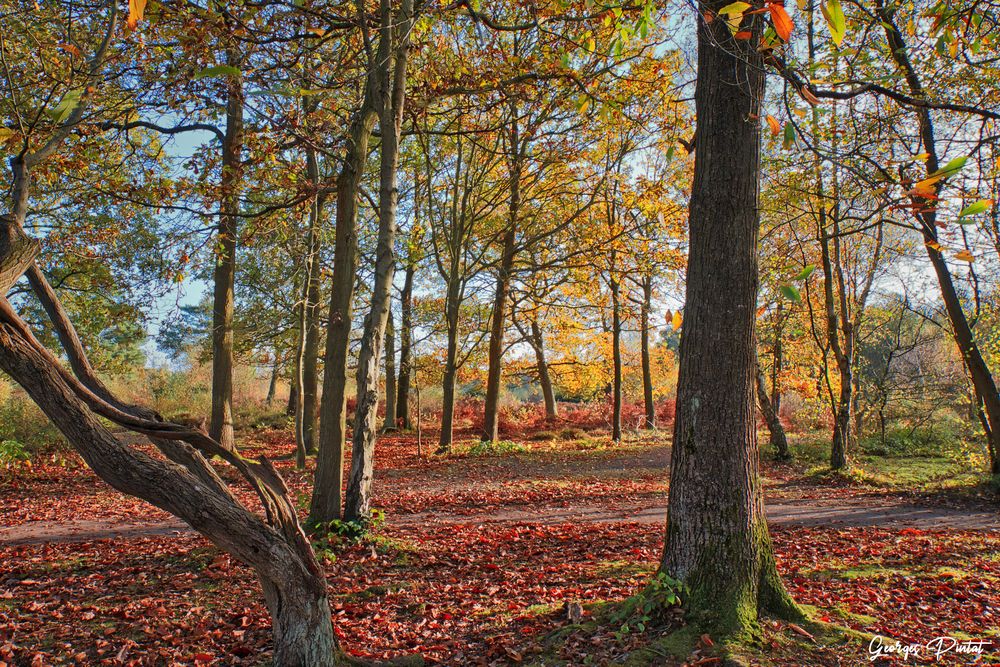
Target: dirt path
[780,513]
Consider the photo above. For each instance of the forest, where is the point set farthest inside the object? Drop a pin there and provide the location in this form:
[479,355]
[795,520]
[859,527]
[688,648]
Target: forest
[465,332]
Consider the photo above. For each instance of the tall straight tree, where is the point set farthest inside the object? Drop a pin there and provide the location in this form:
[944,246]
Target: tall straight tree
[717,541]
[221,426]
[394,38]
[327,495]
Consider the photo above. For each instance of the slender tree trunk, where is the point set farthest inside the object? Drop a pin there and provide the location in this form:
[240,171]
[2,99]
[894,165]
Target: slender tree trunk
[293,400]
[647,365]
[544,377]
[310,352]
[717,541]
[778,359]
[300,350]
[616,359]
[450,369]
[778,438]
[420,432]
[272,386]
[393,87]
[328,486]
[491,406]
[983,380]
[390,373]
[405,342]
[221,423]
[844,435]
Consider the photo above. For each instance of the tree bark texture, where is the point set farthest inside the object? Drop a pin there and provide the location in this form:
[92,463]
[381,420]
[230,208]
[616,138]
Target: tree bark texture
[717,541]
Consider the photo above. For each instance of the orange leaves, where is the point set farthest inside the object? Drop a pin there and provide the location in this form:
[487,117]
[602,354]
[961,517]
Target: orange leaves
[136,11]
[675,319]
[735,12]
[782,21]
[775,126]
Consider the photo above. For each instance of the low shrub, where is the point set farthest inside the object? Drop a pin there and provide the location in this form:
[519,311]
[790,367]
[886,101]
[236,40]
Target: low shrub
[572,433]
[13,454]
[496,448]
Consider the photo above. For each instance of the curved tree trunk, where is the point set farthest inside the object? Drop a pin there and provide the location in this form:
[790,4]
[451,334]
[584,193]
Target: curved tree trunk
[185,484]
[294,585]
[717,541]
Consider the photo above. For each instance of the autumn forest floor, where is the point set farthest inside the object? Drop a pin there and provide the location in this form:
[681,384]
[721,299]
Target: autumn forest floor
[480,555]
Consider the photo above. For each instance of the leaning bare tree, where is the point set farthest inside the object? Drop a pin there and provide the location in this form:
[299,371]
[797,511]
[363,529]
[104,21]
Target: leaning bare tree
[180,480]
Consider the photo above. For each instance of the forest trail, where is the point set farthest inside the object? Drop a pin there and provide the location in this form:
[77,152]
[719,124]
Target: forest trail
[829,513]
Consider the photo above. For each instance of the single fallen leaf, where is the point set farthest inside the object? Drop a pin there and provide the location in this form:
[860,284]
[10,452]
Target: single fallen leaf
[801,631]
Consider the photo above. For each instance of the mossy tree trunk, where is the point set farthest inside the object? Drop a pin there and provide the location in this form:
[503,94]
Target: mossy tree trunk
[717,541]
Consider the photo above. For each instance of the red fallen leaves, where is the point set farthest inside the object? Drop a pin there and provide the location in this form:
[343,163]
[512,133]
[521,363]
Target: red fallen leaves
[459,594]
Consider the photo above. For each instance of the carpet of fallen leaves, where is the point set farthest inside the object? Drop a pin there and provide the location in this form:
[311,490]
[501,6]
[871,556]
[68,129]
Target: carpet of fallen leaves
[458,593]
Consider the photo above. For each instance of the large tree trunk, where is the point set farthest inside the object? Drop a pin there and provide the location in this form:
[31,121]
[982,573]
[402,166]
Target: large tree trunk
[328,486]
[221,425]
[544,376]
[393,60]
[647,364]
[405,350]
[717,541]
[983,380]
